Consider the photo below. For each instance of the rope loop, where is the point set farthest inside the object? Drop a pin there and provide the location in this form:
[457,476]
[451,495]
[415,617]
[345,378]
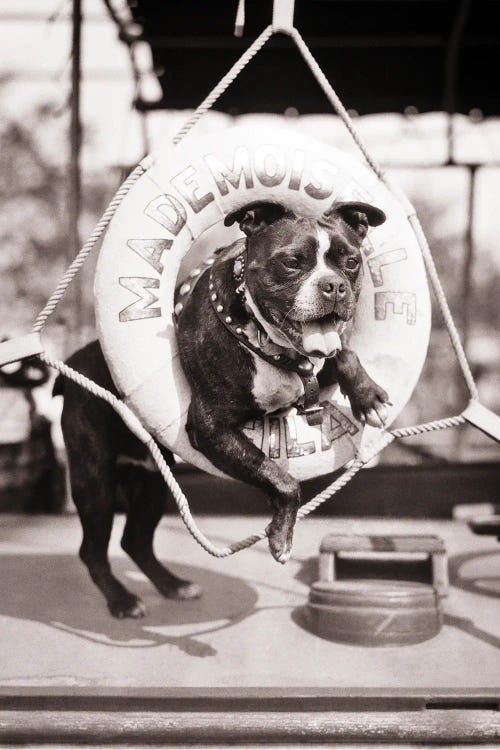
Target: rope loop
[126,413]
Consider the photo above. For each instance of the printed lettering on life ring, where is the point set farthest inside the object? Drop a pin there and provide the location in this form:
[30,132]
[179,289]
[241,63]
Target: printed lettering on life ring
[172,219]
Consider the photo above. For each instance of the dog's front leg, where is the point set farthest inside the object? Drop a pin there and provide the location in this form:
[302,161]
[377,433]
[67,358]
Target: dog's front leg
[368,400]
[233,453]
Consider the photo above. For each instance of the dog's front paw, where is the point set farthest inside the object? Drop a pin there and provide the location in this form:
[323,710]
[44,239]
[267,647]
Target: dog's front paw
[280,541]
[370,403]
[127,605]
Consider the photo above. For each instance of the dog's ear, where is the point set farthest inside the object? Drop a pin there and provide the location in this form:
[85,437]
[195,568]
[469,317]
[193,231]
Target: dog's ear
[255,216]
[359,216]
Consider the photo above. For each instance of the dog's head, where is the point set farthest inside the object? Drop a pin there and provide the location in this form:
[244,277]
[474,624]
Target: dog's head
[304,275]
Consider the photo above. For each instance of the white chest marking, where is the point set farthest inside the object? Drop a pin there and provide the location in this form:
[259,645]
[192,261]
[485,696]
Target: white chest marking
[274,388]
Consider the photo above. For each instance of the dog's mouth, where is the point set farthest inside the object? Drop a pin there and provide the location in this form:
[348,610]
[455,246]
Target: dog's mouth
[316,337]
[321,336]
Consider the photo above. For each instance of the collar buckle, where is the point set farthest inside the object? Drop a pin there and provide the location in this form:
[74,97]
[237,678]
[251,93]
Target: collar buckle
[313,414]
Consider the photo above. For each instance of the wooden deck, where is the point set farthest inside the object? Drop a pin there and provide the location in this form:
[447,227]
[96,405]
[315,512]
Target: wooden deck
[246,641]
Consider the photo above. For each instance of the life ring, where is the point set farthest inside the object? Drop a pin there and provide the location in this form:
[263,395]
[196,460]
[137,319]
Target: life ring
[172,220]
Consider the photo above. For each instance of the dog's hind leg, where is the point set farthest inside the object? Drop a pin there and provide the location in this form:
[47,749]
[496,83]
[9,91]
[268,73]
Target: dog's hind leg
[92,467]
[146,503]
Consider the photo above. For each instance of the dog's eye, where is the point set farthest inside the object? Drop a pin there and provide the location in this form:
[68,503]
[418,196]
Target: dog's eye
[291,261]
[352,263]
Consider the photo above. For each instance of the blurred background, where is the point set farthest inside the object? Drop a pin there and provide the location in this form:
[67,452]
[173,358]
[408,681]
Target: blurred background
[87,87]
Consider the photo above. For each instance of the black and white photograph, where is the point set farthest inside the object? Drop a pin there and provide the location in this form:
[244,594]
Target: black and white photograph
[249,374]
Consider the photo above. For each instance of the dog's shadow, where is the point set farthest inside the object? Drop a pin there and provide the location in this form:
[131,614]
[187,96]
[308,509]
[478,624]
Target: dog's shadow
[56,590]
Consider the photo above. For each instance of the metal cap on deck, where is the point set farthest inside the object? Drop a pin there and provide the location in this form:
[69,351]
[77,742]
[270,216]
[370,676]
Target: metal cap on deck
[374,612]
[374,608]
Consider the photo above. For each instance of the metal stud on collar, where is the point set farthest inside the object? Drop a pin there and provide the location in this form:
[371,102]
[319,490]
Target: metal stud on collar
[239,268]
[187,286]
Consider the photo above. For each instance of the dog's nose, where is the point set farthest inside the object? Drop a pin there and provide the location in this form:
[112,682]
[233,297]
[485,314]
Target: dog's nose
[331,288]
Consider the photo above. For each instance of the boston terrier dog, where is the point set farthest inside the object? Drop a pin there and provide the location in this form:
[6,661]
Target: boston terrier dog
[263,328]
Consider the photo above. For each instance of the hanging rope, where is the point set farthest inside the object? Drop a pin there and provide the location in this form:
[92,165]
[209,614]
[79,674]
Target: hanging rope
[141,168]
[80,259]
[384,438]
[334,100]
[412,216]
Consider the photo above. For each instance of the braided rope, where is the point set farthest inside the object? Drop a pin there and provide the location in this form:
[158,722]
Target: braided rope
[185,513]
[126,413]
[87,248]
[384,439]
[122,191]
[177,493]
[333,98]
[224,83]
[420,429]
[443,305]
[412,217]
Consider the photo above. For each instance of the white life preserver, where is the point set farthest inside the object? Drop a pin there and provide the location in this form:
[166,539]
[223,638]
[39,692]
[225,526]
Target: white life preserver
[172,219]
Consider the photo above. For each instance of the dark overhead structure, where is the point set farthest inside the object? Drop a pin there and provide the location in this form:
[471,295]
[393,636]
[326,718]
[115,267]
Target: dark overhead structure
[381,55]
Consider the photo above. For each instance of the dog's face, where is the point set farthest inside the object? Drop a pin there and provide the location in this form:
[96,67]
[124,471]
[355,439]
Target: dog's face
[304,275]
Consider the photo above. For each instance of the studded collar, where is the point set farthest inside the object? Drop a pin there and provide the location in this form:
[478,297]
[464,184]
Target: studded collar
[235,315]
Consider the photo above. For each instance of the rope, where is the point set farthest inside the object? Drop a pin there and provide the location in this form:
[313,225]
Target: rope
[87,248]
[177,493]
[369,453]
[420,429]
[224,83]
[443,306]
[412,217]
[126,413]
[141,168]
[333,98]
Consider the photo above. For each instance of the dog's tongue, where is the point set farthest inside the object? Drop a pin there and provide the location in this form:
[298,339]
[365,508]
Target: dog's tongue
[320,338]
